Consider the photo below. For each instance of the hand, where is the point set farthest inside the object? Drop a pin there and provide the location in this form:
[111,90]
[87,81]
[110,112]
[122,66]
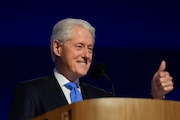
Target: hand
[161,83]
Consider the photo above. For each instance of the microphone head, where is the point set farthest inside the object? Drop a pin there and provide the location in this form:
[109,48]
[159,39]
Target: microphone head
[98,71]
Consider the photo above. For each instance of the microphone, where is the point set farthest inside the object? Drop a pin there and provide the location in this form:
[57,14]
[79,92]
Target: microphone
[99,71]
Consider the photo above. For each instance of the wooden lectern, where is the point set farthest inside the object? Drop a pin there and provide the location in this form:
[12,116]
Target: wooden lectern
[116,109]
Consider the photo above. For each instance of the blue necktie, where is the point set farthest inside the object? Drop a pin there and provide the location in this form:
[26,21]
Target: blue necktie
[75,94]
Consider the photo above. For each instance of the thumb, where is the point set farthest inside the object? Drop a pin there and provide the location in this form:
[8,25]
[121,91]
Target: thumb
[162,66]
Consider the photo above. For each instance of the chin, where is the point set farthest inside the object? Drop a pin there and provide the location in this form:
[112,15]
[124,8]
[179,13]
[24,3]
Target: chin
[82,74]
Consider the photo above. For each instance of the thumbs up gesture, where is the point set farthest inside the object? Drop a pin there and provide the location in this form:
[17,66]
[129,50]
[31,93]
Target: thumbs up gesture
[161,83]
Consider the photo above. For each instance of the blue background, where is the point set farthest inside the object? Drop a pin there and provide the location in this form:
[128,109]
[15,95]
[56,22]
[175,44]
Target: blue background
[132,38]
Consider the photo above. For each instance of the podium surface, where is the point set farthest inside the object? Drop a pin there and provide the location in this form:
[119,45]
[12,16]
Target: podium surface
[116,109]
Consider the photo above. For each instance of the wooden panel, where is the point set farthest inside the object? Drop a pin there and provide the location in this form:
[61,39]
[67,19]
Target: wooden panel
[116,109]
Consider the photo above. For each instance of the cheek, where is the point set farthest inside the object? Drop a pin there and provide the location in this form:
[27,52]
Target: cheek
[67,59]
[72,58]
[70,54]
[90,58]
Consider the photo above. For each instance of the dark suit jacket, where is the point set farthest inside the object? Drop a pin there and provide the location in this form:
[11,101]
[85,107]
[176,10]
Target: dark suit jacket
[38,96]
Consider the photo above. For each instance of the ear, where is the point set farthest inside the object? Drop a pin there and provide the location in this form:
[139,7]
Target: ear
[57,47]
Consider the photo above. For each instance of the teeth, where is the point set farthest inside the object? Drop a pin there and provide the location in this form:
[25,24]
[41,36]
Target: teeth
[82,62]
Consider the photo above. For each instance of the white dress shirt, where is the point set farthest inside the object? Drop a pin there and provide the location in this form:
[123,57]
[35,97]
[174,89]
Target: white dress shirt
[62,81]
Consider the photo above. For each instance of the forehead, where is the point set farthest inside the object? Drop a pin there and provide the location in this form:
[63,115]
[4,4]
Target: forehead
[83,35]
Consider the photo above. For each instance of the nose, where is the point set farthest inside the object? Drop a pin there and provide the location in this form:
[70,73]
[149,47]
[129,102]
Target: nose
[86,53]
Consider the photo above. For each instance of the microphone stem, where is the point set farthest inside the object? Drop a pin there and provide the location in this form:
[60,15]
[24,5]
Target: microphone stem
[112,85]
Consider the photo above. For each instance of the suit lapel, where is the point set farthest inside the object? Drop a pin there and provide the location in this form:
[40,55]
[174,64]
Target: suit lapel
[54,90]
[84,91]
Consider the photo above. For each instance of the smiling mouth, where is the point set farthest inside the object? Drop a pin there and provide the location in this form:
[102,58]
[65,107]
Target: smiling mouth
[82,62]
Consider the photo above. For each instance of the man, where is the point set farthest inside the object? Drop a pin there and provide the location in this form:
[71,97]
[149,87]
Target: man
[72,43]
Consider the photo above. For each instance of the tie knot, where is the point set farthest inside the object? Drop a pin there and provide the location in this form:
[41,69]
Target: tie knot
[71,85]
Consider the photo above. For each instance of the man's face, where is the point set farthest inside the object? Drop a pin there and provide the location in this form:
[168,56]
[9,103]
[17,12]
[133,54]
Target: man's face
[76,53]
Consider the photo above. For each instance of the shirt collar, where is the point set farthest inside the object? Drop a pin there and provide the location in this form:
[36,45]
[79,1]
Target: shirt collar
[62,80]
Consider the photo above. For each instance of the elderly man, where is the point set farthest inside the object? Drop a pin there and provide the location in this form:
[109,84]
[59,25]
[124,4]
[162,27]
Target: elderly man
[72,44]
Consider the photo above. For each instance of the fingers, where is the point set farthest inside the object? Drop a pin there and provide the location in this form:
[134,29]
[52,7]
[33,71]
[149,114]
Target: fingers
[162,77]
[164,74]
[165,83]
[168,86]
